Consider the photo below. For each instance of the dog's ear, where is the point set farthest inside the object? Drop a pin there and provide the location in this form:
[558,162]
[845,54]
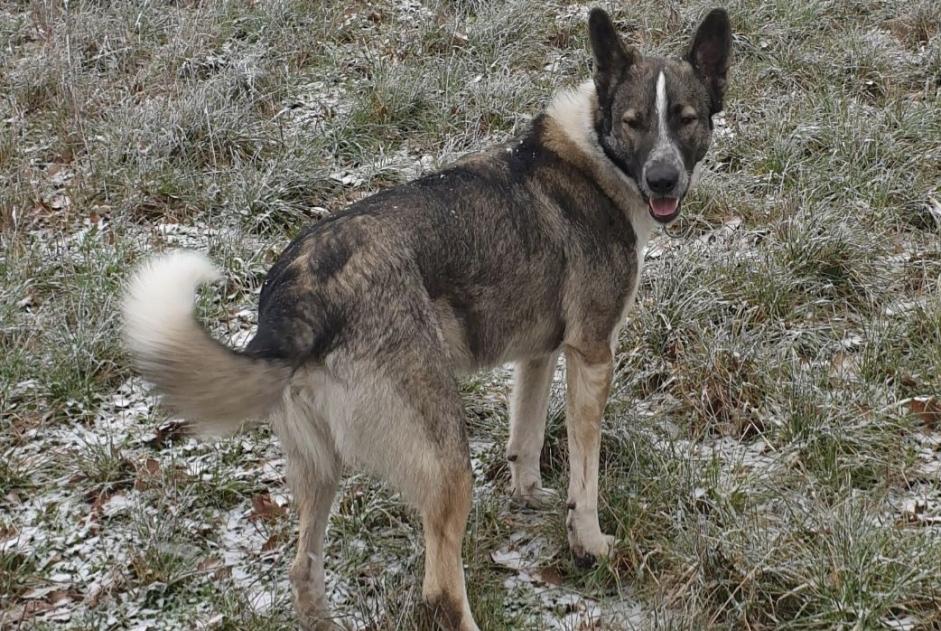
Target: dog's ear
[612,58]
[709,54]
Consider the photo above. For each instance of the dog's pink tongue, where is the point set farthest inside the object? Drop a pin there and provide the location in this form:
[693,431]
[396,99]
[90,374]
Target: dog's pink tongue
[663,206]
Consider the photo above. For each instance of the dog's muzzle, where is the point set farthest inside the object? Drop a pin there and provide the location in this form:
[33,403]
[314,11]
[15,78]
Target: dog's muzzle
[664,186]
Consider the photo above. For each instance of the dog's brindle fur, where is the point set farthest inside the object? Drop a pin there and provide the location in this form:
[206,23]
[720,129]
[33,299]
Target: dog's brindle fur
[519,254]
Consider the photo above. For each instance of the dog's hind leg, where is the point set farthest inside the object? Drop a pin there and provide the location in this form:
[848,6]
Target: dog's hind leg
[439,482]
[444,518]
[314,498]
[313,470]
[528,407]
[400,417]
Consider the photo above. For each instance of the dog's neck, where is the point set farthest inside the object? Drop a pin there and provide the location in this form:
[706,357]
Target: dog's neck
[573,136]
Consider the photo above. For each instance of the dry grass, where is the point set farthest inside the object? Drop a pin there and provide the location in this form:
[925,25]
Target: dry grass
[771,449]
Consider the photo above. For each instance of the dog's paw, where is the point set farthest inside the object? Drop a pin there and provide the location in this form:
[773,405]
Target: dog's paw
[310,602]
[318,622]
[536,497]
[587,552]
[443,612]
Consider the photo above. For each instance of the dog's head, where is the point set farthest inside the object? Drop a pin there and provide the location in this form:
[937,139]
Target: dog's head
[655,115]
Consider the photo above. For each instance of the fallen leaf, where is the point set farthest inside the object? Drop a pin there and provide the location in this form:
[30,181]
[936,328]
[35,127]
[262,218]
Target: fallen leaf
[912,509]
[928,409]
[62,596]
[844,366]
[209,564]
[98,501]
[273,543]
[728,227]
[511,559]
[40,593]
[908,380]
[98,590]
[151,466]
[27,302]
[59,201]
[168,433]
[265,508]
[215,621]
[458,39]
[934,207]
[549,576]
[146,474]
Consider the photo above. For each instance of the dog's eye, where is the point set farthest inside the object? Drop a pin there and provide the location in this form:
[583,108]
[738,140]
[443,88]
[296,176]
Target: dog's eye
[688,116]
[632,120]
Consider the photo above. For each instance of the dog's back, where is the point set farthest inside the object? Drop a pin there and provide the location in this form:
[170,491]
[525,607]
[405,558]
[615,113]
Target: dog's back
[484,252]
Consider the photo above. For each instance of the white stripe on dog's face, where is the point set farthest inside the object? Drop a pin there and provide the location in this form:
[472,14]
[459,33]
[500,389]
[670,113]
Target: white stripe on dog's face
[661,105]
[665,150]
[663,147]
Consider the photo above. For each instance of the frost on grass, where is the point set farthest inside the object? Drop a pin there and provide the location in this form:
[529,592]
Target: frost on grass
[770,454]
[534,580]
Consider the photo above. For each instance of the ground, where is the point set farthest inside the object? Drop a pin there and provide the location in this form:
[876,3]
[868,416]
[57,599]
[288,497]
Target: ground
[772,448]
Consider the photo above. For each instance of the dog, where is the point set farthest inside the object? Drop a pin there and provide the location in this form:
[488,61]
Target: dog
[518,254]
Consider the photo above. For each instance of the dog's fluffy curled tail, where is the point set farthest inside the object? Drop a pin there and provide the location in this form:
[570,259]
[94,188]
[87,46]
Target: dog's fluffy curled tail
[201,379]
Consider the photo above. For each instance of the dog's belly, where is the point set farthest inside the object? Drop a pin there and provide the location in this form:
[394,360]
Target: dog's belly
[536,338]
[487,339]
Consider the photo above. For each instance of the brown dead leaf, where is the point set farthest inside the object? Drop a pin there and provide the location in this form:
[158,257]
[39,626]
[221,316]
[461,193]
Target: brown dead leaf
[28,301]
[59,201]
[29,609]
[844,366]
[549,576]
[273,543]
[912,509]
[113,583]
[928,409]
[62,596]
[168,433]
[147,474]
[98,501]
[266,509]
[915,513]
[39,593]
[907,380]
[209,564]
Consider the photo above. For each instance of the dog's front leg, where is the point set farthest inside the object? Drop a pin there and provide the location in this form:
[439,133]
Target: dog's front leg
[588,381]
[528,430]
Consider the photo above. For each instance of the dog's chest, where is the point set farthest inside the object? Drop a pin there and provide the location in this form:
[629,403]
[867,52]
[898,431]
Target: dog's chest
[642,229]
[634,283]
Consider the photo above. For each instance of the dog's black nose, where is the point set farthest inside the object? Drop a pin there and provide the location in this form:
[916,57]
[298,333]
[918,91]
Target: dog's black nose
[662,178]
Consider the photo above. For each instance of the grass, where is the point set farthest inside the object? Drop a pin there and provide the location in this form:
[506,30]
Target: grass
[761,453]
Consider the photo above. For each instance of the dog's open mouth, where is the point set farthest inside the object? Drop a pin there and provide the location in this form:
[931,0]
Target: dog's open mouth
[664,209]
